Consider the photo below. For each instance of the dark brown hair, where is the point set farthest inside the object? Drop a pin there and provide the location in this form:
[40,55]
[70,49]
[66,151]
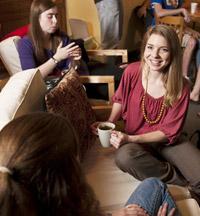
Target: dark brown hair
[35,32]
[41,150]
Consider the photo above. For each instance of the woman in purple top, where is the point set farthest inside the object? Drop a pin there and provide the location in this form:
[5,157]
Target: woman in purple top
[153,99]
[45,46]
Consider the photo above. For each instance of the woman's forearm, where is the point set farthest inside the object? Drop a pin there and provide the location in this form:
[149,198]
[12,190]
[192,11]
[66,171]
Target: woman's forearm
[160,12]
[155,136]
[165,12]
[115,113]
[69,51]
[47,67]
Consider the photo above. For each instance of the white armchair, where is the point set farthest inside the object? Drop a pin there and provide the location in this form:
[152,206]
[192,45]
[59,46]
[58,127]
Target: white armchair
[10,59]
[9,55]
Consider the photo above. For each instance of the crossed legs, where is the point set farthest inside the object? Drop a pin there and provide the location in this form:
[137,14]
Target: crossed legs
[178,164]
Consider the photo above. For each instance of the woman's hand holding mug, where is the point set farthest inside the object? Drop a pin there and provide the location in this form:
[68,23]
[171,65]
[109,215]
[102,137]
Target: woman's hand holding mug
[118,138]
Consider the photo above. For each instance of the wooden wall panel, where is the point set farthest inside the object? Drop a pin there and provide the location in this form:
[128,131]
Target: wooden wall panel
[62,14]
[15,13]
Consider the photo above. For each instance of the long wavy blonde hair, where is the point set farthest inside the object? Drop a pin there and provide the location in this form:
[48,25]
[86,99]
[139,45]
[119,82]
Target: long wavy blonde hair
[172,74]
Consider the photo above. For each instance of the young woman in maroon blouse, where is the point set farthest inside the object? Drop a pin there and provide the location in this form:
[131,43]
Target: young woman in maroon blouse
[153,99]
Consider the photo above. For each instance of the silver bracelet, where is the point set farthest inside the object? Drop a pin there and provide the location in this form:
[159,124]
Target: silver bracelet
[54,60]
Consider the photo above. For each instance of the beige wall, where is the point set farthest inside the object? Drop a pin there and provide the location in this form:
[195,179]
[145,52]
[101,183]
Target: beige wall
[86,10]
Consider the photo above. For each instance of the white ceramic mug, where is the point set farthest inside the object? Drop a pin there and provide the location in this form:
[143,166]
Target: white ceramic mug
[104,132]
[193,7]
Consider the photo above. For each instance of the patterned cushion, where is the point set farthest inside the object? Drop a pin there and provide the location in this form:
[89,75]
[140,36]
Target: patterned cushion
[69,99]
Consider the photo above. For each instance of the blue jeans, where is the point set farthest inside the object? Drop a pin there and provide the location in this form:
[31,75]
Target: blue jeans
[150,195]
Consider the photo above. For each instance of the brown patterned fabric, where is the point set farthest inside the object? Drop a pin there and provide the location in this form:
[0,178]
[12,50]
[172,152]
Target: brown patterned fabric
[69,99]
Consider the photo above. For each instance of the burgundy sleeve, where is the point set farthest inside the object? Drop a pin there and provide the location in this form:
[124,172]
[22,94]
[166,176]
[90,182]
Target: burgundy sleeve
[127,81]
[175,117]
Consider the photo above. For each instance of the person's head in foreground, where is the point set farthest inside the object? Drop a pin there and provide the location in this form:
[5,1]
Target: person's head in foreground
[39,171]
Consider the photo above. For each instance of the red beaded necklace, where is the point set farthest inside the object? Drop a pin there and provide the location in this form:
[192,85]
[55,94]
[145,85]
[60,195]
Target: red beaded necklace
[144,111]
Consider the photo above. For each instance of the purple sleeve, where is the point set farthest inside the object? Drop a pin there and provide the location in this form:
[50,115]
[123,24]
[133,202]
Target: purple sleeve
[26,54]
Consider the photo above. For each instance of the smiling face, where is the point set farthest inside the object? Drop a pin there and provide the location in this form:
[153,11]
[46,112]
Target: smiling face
[156,53]
[48,20]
